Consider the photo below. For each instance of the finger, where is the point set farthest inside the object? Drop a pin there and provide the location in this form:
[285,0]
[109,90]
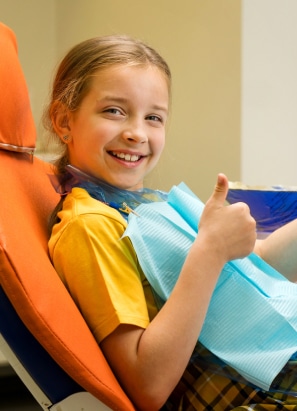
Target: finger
[221,189]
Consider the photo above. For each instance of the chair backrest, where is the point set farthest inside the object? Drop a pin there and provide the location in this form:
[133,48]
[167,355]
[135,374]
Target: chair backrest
[26,275]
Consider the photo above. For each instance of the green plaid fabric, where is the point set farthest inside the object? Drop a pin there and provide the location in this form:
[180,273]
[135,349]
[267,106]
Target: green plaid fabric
[203,389]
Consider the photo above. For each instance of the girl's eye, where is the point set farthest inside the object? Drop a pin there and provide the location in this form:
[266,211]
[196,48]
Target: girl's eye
[113,110]
[153,117]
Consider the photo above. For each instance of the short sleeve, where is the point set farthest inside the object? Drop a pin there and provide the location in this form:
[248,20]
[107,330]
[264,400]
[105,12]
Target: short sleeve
[101,271]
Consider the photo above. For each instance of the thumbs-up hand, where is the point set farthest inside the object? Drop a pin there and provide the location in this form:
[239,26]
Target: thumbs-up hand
[230,230]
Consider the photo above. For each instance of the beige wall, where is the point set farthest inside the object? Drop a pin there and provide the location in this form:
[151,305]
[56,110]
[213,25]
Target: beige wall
[33,22]
[201,41]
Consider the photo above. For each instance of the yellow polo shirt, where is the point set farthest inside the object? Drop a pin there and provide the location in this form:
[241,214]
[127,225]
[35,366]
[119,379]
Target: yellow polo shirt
[98,267]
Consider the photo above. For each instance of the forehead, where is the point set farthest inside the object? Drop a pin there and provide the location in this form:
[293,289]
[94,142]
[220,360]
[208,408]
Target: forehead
[130,74]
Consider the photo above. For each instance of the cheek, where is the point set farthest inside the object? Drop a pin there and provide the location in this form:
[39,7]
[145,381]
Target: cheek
[159,145]
[157,149]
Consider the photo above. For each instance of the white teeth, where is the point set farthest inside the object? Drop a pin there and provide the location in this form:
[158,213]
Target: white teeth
[126,157]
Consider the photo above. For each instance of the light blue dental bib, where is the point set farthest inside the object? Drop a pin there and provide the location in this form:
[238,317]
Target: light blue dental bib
[251,323]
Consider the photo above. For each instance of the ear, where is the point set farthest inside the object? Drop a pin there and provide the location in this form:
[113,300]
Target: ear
[60,118]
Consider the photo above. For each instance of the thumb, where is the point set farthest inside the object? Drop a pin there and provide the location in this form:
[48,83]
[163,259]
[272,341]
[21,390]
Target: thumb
[221,189]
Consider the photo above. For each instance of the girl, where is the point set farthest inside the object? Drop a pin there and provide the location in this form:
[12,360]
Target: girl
[109,108]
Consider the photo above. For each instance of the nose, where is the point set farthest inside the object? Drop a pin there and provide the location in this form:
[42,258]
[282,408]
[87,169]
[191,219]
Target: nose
[135,134]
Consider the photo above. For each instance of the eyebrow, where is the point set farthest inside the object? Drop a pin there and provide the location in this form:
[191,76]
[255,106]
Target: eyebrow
[117,99]
[114,98]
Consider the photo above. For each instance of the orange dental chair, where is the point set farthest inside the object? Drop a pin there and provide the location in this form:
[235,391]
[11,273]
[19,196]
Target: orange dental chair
[42,333]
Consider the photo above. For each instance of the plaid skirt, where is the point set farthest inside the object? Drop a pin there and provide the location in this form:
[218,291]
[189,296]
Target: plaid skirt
[209,386]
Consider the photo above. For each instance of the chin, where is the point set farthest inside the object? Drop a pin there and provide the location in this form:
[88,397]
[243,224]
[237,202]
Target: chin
[124,182]
[128,187]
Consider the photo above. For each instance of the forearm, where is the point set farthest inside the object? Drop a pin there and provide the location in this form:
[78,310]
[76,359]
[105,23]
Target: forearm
[182,317]
[151,370]
[279,250]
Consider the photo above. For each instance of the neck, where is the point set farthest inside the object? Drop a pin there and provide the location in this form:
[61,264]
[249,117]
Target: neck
[124,201]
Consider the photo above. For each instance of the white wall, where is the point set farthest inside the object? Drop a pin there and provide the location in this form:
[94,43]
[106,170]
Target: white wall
[269,92]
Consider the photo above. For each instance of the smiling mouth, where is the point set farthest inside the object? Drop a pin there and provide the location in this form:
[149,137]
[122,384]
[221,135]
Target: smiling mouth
[127,157]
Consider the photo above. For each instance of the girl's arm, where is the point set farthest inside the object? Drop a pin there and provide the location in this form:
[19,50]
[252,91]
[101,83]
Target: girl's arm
[150,362]
[279,250]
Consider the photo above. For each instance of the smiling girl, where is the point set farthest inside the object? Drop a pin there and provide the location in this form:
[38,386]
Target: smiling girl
[108,110]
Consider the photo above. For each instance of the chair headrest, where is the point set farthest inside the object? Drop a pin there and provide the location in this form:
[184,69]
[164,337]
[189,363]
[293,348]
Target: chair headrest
[17,128]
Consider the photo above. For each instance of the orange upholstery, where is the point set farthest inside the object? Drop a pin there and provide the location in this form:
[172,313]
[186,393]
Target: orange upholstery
[17,125]
[26,274]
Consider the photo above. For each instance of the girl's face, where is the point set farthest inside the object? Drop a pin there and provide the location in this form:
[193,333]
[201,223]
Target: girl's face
[118,132]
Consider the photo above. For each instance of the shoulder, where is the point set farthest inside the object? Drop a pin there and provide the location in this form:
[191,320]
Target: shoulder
[79,206]
[85,217]
[80,203]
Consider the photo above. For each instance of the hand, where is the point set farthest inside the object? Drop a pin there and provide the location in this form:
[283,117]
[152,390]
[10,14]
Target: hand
[230,230]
